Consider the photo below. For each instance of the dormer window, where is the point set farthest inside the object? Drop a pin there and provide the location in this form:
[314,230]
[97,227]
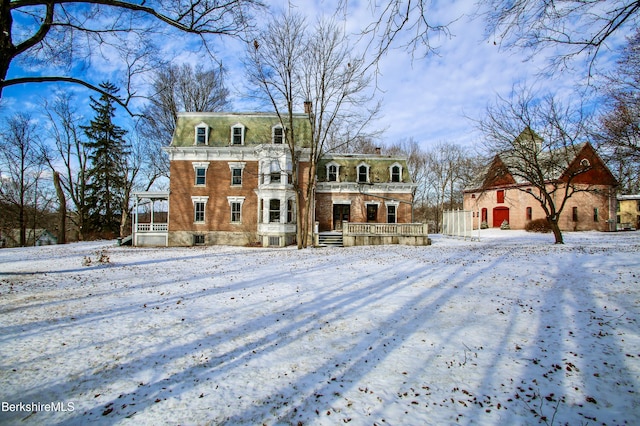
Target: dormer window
[277,133]
[202,134]
[237,134]
[363,172]
[395,173]
[333,172]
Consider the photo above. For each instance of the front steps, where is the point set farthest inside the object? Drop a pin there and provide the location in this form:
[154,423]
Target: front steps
[330,239]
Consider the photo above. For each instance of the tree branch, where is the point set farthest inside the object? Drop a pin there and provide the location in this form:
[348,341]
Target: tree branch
[194,27]
[23,80]
[40,34]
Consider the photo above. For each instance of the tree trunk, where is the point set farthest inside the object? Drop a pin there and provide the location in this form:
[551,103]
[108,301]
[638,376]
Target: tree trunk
[557,233]
[62,210]
[7,48]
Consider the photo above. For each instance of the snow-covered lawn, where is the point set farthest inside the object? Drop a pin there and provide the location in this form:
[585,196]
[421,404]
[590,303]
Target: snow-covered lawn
[509,330]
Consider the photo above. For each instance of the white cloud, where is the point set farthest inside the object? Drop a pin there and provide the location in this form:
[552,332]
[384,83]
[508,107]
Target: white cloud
[427,99]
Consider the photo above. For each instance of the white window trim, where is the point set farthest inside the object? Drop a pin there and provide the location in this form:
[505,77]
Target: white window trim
[237,126]
[333,163]
[200,165]
[232,200]
[358,172]
[235,166]
[200,199]
[204,126]
[395,204]
[273,133]
[391,172]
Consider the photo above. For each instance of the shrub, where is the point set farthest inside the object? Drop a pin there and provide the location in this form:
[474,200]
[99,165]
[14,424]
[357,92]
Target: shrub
[538,225]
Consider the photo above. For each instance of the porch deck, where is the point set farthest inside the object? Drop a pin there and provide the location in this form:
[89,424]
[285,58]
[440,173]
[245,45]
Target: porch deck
[359,234]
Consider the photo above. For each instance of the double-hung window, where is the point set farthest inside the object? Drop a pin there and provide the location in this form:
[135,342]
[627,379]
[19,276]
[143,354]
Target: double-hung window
[201,175]
[202,134]
[236,212]
[237,134]
[290,212]
[199,208]
[363,173]
[236,177]
[391,213]
[333,173]
[278,134]
[276,172]
[274,210]
[200,172]
[235,205]
[396,173]
[236,169]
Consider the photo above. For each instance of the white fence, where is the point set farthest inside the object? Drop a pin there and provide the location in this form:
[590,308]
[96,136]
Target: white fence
[406,229]
[459,223]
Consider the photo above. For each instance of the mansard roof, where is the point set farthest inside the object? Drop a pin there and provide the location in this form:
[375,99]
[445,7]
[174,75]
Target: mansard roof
[258,127]
[379,166]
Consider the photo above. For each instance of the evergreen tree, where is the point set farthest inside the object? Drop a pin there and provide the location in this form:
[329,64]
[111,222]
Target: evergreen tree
[107,174]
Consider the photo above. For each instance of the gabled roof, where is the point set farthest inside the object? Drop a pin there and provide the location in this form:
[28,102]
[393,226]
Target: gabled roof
[578,163]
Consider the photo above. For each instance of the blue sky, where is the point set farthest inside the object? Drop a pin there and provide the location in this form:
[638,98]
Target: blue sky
[428,99]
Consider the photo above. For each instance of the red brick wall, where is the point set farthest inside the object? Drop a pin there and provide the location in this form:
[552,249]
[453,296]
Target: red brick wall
[218,188]
[358,209]
[517,201]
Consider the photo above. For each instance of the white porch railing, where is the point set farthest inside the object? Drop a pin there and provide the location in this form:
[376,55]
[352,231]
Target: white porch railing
[152,227]
[400,229]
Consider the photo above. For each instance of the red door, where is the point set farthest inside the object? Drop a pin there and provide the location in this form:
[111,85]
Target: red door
[500,214]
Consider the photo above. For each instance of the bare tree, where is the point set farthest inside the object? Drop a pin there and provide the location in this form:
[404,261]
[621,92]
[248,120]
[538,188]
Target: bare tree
[445,164]
[416,162]
[178,88]
[67,35]
[536,142]
[274,68]
[23,166]
[68,155]
[618,129]
[405,24]
[335,83]
[577,27]
[292,64]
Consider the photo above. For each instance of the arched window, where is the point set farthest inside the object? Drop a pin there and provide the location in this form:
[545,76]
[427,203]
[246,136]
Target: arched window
[395,173]
[363,172]
[333,172]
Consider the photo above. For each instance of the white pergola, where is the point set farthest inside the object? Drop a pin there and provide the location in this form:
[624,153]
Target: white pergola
[150,233]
